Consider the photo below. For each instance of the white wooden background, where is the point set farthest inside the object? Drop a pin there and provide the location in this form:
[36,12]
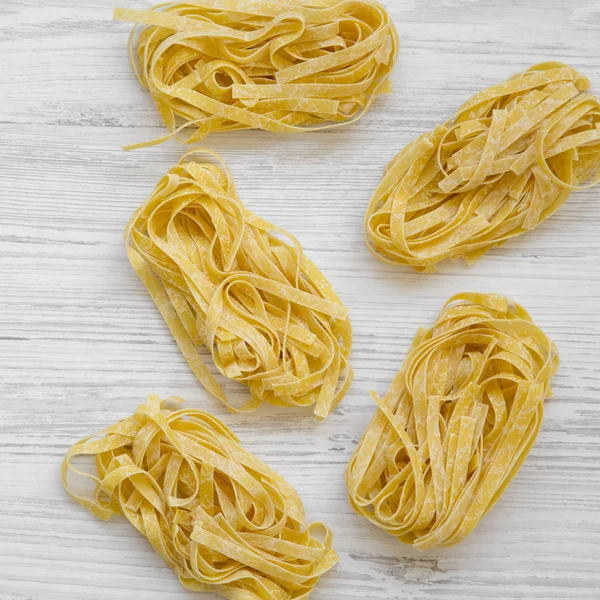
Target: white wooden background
[81,343]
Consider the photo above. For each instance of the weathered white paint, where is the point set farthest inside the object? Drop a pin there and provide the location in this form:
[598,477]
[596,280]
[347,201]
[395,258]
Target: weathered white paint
[81,343]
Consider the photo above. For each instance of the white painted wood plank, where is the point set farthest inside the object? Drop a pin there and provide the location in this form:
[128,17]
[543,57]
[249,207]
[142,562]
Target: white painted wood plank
[81,343]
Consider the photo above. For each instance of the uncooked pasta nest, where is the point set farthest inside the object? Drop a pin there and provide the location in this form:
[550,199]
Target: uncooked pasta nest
[285,66]
[504,163]
[224,278]
[456,424]
[219,517]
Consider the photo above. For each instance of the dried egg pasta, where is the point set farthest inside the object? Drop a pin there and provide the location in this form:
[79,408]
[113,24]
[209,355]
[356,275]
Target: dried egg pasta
[219,517]
[456,424]
[285,66]
[504,163]
[223,277]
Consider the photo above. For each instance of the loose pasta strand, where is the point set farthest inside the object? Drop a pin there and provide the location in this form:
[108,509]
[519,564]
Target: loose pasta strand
[221,519]
[506,161]
[457,422]
[224,278]
[285,66]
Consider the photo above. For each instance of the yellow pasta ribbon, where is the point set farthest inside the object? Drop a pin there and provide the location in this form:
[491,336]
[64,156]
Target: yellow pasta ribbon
[223,277]
[221,519]
[458,421]
[285,66]
[505,162]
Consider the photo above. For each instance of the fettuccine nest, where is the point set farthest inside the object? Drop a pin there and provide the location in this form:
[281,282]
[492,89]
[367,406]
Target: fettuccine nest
[456,424]
[506,161]
[284,66]
[219,517]
[224,278]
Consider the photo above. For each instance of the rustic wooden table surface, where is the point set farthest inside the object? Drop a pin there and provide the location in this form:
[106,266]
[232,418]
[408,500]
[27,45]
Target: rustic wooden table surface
[81,343]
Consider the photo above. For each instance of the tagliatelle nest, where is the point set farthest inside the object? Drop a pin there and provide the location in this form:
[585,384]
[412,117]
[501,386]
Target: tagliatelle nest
[506,161]
[456,424]
[225,278]
[219,517]
[283,66]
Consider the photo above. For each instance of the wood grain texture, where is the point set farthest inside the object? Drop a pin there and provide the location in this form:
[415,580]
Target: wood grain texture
[81,343]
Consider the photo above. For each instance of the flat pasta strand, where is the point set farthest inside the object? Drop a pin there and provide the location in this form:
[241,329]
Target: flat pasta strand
[221,519]
[223,277]
[507,160]
[285,66]
[458,421]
